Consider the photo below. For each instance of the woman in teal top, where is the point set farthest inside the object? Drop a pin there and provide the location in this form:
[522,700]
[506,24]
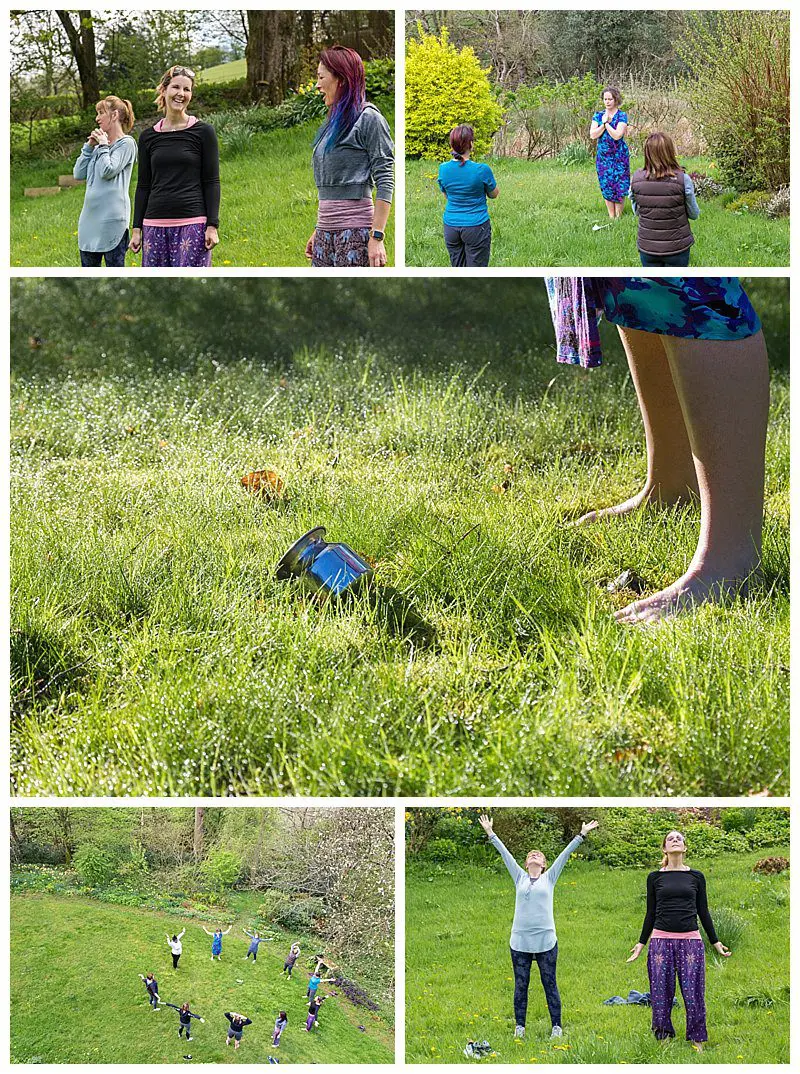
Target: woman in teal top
[533,933]
[106,163]
[466,185]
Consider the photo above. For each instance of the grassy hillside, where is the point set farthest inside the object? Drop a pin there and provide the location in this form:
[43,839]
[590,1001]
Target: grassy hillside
[76,996]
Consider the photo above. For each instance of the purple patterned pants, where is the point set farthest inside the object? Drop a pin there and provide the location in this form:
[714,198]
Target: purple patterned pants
[178,246]
[347,248]
[685,959]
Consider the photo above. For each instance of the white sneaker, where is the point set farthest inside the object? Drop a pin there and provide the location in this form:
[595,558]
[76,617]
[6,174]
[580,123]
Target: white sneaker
[519,1033]
[557,1032]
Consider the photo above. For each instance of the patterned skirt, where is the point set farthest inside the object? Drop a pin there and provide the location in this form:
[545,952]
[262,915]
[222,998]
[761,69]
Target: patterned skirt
[345,248]
[701,307]
[176,246]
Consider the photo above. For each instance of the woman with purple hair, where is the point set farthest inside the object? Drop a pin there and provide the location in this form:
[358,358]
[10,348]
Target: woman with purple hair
[698,363]
[353,152]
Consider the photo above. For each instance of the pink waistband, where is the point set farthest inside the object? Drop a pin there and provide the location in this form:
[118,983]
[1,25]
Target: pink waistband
[169,222]
[659,934]
[344,213]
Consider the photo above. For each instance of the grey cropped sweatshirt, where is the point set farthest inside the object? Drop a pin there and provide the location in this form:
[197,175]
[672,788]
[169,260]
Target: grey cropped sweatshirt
[363,158]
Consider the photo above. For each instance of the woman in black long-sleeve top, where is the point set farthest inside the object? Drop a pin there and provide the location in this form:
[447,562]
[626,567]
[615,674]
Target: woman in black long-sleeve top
[676,897]
[176,206]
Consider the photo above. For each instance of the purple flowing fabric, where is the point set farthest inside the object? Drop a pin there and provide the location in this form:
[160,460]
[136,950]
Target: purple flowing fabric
[576,306]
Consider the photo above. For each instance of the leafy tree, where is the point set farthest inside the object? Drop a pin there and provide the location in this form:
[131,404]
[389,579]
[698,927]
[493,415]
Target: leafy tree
[80,34]
[446,86]
[739,63]
[95,866]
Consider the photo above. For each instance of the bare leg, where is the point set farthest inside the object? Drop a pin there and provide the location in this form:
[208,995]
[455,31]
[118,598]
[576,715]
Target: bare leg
[671,477]
[618,207]
[612,212]
[723,388]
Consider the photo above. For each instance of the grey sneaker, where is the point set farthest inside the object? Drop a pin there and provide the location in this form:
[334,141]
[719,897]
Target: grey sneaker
[557,1032]
[519,1033]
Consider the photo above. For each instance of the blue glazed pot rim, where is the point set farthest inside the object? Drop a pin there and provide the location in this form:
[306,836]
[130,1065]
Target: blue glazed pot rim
[287,565]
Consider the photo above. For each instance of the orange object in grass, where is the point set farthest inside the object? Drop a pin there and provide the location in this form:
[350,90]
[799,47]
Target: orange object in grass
[265,483]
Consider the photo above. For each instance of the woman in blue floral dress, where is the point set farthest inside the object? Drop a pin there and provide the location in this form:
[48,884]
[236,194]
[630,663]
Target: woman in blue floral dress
[698,362]
[613,160]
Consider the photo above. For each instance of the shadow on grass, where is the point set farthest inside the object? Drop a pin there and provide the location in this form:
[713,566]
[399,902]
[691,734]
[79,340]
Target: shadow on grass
[42,667]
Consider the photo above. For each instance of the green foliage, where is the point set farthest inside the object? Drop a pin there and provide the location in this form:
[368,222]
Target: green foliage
[94,866]
[739,63]
[441,850]
[740,819]
[770,829]
[574,154]
[222,869]
[554,114]
[299,915]
[730,927]
[445,87]
[612,42]
[629,837]
[754,201]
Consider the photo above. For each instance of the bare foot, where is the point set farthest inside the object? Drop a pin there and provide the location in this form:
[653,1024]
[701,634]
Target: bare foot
[650,494]
[692,589]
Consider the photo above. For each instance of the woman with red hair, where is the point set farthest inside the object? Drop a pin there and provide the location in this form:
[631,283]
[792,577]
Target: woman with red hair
[353,152]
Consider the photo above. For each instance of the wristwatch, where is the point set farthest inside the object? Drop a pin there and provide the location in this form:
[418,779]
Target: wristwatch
[379,235]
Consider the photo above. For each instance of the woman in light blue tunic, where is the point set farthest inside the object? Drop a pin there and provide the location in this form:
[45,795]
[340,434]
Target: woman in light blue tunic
[106,163]
[533,933]
[698,363]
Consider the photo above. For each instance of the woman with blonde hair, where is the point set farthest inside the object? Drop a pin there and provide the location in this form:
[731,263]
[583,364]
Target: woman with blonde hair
[662,197]
[533,933]
[176,207]
[106,163]
[676,897]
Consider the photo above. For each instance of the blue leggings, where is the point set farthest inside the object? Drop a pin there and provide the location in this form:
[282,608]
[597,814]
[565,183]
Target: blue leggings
[522,961]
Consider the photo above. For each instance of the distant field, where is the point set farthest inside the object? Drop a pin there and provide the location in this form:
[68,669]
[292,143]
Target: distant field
[224,72]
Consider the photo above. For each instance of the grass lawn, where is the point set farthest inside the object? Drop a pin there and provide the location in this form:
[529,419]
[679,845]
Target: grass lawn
[459,983]
[224,72]
[154,652]
[76,996]
[268,208]
[545,213]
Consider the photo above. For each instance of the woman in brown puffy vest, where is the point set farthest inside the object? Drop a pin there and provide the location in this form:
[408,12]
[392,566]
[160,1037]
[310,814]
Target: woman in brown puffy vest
[662,196]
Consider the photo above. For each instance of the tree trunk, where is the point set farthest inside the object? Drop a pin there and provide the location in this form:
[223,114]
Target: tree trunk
[273,58]
[199,815]
[81,42]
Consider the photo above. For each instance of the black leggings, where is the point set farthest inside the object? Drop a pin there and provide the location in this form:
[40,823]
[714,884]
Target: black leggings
[522,962]
[175,961]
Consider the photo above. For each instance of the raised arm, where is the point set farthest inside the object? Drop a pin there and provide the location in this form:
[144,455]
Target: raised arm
[181,934]
[554,871]
[227,930]
[205,930]
[248,933]
[513,868]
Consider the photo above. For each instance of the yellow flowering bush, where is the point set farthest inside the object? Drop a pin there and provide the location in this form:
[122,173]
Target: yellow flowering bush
[446,86]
